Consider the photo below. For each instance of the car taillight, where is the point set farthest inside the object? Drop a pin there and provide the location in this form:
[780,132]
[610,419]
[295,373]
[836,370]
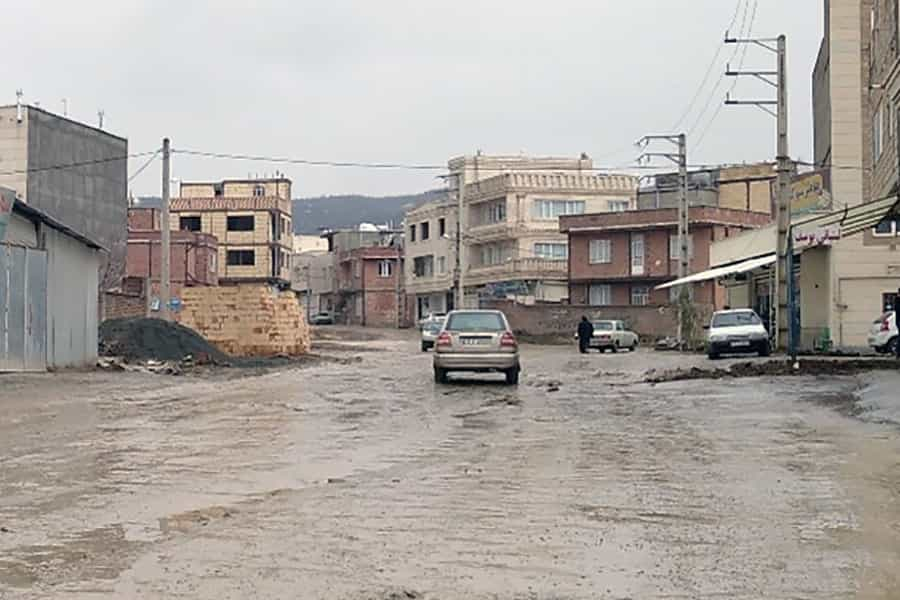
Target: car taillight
[508,340]
[444,340]
[886,325]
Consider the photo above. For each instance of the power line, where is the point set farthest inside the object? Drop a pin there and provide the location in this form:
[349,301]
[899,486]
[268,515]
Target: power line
[309,162]
[75,165]
[144,167]
[712,63]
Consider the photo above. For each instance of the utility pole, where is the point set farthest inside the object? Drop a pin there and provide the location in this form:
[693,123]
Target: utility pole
[679,158]
[460,243]
[783,317]
[165,290]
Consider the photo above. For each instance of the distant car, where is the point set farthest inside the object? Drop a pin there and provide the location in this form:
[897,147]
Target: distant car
[432,317]
[612,335]
[322,318]
[430,331]
[737,332]
[883,334]
[476,341]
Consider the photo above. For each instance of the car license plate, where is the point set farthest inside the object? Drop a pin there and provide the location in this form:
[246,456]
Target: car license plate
[473,341]
[740,344]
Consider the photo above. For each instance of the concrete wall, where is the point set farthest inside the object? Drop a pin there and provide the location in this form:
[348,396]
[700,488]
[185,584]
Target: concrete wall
[72,300]
[13,150]
[236,188]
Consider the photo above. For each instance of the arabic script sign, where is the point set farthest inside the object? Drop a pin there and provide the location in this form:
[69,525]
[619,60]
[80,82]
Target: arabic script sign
[820,236]
[808,194]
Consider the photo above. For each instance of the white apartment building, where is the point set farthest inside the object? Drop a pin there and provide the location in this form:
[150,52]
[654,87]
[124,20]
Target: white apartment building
[511,240]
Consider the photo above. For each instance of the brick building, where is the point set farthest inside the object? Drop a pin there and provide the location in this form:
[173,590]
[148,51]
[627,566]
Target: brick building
[616,259]
[193,255]
[369,284]
[251,219]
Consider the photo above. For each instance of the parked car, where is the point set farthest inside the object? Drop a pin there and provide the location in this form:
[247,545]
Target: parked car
[612,335]
[430,331]
[737,332]
[431,317]
[476,341]
[883,334]
[322,318]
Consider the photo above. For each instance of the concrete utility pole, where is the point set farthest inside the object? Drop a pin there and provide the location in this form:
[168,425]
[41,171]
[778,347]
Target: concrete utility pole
[679,158]
[784,277]
[460,243]
[165,290]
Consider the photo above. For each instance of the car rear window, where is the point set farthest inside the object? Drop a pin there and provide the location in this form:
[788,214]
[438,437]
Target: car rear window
[434,326]
[603,326]
[735,319]
[476,322]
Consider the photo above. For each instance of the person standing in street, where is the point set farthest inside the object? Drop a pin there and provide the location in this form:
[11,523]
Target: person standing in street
[585,333]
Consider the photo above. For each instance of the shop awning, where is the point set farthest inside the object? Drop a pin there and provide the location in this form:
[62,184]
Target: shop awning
[851,220]
[719,272]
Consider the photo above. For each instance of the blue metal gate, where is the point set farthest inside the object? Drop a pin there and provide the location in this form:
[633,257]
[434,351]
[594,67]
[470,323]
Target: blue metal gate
[23,309]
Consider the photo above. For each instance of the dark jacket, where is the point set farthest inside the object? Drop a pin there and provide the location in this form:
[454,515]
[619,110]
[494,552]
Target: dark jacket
[585,330]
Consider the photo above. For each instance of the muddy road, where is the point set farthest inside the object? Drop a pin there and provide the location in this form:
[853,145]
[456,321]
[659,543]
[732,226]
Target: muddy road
[365,480]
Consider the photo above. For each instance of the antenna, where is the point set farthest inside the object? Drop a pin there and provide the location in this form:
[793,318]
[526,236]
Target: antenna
[100,114]
[65,103]
[19,94]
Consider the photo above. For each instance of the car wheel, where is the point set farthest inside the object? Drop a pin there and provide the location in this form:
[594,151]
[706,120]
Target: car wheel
[512,377]
[713,355]
[424,347]
[440,375]
[634,346]
[891,347]
[766,350]
[616,347]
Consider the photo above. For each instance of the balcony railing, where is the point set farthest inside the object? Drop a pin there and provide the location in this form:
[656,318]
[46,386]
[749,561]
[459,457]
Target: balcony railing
[522,268]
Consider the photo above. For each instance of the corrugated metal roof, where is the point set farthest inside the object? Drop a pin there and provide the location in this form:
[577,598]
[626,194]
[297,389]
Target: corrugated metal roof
[33,214]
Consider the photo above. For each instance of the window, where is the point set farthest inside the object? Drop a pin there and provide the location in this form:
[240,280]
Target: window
[618,205]
[887,228]
[425,229]
[243,223]
[259,191]
[495,212]
[675,251]
[218,189]
[189,223]
[553,209]
[385,268]
[412,233]
[241,258]
[552,250]
[492,254]
[441,265]
[442,227]
[600,252]
[877,133]
[887,301]
[736,319]
[475,321]
[600,294]
[637,254]
[423,266]
[640,295]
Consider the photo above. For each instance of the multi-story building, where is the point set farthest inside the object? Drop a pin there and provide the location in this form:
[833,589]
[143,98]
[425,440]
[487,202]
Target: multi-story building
[617,259]
[87,186]
[312,279]
[250,218]
[740,187]
[510,236]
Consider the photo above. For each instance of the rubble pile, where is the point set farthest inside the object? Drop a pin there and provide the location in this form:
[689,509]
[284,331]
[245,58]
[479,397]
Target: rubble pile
[773,368]
[155,341]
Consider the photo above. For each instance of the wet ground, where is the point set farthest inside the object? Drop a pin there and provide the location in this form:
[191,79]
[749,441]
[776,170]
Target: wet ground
[362,479]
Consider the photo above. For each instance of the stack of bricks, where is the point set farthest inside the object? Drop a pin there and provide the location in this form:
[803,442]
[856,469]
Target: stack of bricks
[247,319]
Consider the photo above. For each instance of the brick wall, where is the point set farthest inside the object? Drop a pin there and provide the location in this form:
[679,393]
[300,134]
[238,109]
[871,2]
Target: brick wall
[143,219]
[128,301]
[649,322]
[247,319]
[193,257]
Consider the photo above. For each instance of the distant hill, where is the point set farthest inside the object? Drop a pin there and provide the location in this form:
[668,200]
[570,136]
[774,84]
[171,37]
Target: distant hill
[311,215]
[333,212]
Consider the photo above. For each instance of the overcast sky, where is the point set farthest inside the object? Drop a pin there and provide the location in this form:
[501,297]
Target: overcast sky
[403,81]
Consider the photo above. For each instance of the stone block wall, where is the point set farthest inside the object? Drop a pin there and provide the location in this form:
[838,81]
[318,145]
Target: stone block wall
[247,319]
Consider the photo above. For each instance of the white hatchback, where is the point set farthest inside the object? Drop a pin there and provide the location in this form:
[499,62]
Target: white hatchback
[883,334]
[737,332]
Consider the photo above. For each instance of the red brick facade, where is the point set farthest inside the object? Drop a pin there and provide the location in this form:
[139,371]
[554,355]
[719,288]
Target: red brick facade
[654,227]
[129,301]
[193,257]
[370,287]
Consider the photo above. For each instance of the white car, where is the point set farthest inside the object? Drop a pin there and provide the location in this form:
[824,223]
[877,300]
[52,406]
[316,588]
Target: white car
[612,335]
[737,332]
[883,335]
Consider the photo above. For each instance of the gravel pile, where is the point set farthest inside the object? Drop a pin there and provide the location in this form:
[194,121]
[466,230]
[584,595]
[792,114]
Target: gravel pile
[155,339]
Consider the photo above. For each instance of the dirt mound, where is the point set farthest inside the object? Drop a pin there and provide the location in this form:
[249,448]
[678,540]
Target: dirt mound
[774,368]
[155,339]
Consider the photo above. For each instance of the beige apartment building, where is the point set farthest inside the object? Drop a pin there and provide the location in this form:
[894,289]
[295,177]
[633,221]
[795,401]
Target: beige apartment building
[251,218]
[511,241]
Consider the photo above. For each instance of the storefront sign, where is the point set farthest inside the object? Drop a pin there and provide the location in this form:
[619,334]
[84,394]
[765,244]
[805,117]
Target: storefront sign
[808,194]
[820,236]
